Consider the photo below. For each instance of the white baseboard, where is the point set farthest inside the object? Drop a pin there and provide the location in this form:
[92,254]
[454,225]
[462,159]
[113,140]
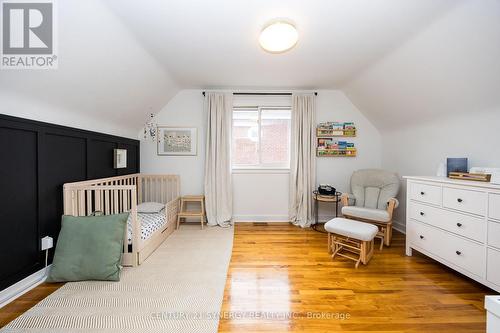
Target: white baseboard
[20,288]
[260,218]
[401,227]
[273,218]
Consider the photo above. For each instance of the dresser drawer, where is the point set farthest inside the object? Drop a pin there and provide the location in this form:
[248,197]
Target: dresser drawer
[463,253]
[494,234]
[426,193]
[494,206]
[493,274]
[460,252]
[423,236]
[460,224]
[465,200]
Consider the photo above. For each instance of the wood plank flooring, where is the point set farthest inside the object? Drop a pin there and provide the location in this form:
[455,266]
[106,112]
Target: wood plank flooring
[284,275]
[22,304]
[281,279]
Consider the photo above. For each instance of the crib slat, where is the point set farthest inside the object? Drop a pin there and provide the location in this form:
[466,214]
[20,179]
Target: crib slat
[81,203]
[139,181]
[115,202]
[136,229]
[97,199]
[124,201]
[89,203]
[74,206]
[106,201]
[162,190]
[150,190]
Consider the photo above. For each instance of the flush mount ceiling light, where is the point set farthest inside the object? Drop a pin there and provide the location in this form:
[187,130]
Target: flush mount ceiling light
[278,37]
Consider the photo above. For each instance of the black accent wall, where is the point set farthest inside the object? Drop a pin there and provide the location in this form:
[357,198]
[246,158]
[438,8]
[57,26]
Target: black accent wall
[36,159]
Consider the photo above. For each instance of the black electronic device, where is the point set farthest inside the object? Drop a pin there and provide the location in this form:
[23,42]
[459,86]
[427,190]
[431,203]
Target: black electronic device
[326,189]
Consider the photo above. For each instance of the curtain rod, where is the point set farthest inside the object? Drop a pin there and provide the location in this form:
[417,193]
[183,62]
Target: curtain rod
[264,94]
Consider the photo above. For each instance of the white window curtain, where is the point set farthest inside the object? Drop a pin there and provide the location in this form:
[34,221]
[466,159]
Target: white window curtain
[218,188]
[303,159]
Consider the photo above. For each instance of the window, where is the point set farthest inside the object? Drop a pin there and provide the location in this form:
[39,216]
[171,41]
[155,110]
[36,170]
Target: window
[261,137]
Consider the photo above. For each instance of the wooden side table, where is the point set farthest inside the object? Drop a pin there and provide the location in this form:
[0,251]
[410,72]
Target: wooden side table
[324,198]
[184,213]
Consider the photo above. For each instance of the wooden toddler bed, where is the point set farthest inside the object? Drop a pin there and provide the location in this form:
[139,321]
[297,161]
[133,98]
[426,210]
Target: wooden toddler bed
[122,194]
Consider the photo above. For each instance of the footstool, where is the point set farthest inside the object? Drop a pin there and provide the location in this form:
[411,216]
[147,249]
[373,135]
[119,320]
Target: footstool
[351,239]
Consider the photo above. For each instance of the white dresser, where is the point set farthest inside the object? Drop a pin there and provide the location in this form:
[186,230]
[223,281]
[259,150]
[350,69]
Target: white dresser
[457,223]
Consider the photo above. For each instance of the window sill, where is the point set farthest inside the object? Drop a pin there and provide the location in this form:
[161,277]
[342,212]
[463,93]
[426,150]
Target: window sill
[259,170]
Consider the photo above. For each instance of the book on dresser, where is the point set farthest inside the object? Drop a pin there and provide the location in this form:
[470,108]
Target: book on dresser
[457,223]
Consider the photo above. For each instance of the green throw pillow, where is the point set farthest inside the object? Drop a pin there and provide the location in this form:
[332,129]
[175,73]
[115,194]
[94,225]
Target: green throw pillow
[89,248]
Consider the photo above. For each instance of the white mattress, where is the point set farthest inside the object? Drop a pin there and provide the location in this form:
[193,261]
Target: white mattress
[150,222]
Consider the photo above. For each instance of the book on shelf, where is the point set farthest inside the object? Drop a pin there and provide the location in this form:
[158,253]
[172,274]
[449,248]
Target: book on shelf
[335,128]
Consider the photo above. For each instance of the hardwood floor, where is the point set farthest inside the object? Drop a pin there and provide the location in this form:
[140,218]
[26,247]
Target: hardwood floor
[279,270]
[283,276]
[16,308]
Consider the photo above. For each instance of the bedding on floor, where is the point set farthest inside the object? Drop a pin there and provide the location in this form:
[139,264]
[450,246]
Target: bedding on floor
[150,222]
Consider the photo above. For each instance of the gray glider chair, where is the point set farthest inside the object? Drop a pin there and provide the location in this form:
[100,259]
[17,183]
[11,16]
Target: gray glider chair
[373,200]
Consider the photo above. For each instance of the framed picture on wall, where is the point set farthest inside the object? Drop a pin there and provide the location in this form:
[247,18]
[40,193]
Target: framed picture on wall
[120,158]
[177,141]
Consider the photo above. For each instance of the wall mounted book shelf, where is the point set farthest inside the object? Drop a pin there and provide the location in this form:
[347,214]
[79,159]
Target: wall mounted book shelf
[327,146]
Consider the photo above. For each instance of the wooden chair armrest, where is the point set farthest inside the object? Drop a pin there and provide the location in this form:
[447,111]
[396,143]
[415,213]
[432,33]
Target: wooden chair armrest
[391,205]
[344,199]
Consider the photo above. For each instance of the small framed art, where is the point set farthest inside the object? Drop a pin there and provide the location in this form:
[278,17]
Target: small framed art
[177,141]
[120,158]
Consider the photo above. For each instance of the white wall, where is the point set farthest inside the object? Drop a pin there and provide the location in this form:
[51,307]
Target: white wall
[263,195]
[184,110]
[333,105]
[24,106]
[416,150]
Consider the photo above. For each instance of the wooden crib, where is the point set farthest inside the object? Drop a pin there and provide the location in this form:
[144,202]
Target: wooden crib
[122,194]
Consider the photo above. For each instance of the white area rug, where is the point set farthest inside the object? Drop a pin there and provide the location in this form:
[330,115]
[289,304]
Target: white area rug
[179,288]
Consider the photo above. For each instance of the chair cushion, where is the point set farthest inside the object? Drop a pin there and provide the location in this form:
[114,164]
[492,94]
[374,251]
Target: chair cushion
[372,188]
[350,228]
[366,213]
[371,197]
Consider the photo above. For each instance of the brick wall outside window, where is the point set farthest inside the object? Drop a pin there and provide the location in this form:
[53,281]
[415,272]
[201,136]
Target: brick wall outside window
[274,142]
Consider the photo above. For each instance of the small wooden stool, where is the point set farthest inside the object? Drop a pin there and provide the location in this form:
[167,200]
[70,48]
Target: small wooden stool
[183,213]
[347,237]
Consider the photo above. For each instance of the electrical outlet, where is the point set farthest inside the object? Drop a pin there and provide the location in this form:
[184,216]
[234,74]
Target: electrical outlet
[47,243]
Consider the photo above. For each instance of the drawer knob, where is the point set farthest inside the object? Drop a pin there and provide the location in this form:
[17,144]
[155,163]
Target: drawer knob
[422,193]
[422,214]
[459,200]
[458,253]
[421,237]
[459,224]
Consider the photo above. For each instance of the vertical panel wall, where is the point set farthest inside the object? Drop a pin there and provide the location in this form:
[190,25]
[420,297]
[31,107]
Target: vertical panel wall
[36,159]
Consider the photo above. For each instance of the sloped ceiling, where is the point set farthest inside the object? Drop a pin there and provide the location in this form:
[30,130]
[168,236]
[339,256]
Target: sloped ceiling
[450,68]
[396,60]
[104,75]
[214,43]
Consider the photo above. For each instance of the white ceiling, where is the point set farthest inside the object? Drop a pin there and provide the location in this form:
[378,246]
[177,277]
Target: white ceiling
[451,67]
[398,60]
[214,43]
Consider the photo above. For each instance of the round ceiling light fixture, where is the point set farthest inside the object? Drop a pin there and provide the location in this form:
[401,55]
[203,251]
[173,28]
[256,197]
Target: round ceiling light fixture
[278,37]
